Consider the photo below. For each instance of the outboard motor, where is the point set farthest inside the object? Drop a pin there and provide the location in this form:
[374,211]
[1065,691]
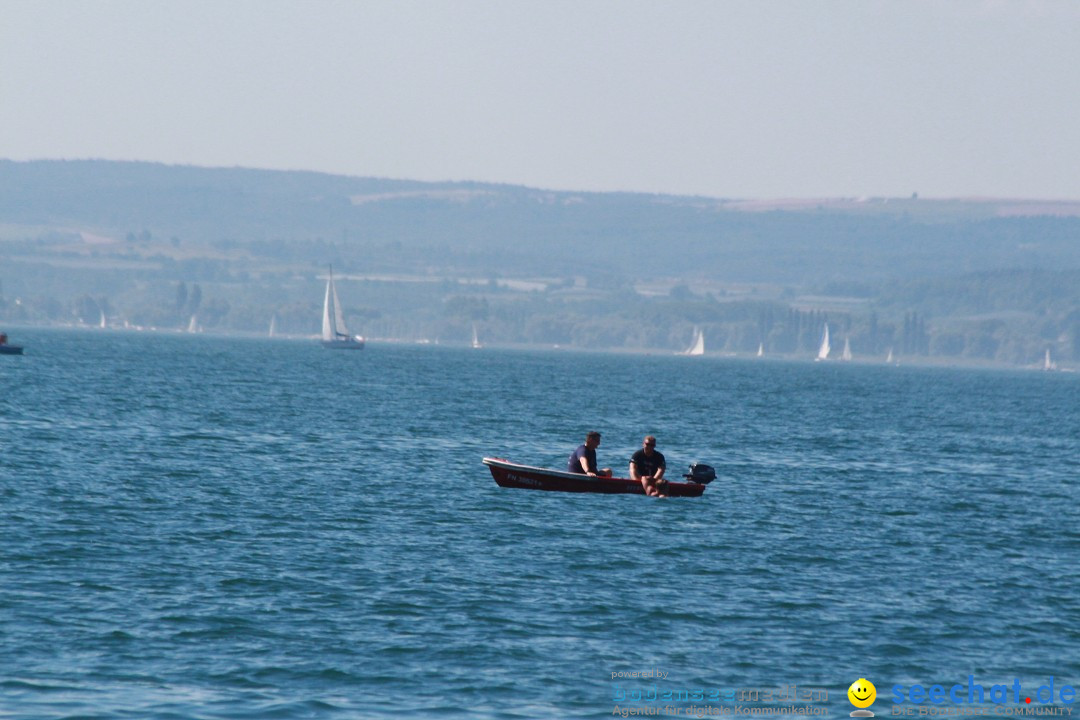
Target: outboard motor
[701,473]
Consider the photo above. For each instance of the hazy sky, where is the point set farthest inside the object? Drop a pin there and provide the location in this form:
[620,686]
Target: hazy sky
[728,98]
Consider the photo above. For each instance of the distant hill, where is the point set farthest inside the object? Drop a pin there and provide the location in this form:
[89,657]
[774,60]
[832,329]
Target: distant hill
[430,259]
[397,225]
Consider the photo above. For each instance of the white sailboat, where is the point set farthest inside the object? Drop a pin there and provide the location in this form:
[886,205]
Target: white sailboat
[101,323]
[475,339]
[334,333]
[823,350]
[761,350]
[193,324]
[697,347]
[889,358]
[1049,364]
[846,355]
[273,325]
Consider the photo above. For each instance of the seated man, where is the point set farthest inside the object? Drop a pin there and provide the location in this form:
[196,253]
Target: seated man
[647,466]
[583,460]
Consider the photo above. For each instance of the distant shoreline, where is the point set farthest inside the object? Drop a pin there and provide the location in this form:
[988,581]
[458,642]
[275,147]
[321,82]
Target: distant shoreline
[941,362]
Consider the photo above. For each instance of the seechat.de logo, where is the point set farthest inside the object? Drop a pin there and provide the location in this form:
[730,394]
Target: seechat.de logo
[862,694]
[975,693]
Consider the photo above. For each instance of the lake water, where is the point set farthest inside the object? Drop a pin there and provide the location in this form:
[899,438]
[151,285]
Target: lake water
[198,527]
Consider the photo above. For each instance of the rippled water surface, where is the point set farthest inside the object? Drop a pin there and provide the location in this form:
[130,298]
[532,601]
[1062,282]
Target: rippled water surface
[194,527]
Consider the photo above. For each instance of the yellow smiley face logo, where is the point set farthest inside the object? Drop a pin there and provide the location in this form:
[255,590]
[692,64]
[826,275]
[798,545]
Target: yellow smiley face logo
[862,693]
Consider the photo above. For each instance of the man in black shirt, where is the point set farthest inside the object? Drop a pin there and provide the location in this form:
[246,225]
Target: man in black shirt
[647,466]
[583,460]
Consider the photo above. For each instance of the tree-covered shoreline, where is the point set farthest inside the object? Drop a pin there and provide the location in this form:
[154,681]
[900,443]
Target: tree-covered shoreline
[151,246]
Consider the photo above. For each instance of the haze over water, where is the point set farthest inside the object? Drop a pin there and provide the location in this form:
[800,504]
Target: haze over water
[198,527]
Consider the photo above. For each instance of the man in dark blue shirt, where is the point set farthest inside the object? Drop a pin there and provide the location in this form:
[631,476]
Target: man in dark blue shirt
[647,466]
[583,460]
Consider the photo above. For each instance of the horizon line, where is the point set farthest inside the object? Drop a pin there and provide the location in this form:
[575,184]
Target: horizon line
[788,201]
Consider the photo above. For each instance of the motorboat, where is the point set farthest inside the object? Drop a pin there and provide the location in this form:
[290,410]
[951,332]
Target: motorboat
[514,475]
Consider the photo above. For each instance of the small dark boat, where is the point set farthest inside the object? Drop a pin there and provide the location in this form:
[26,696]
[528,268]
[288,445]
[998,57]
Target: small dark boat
[6,349]
[512,475]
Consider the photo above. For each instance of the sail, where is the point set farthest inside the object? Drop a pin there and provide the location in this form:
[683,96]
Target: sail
[339,319]
[761,350]
[193,324]
[327,312]
[101,322]
[273,325]
[475,338]
[889,357]
[334,333]
[846,355]
[697,347]
[1049,364]
[333,323]
[823,351]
